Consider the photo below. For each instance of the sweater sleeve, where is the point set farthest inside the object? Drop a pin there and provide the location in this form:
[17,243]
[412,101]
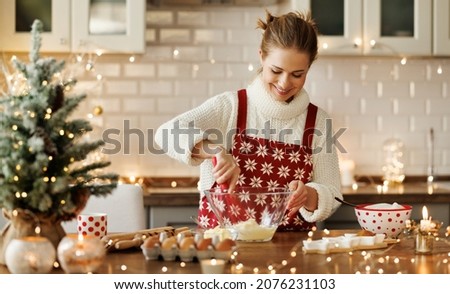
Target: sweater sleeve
[326,176]
[210,120]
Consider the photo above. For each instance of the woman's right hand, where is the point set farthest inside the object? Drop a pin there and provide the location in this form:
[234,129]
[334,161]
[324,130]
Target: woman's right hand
[226,170]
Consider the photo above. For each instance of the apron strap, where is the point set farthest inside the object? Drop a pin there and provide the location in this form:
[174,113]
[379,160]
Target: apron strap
[308,133]
[242,111]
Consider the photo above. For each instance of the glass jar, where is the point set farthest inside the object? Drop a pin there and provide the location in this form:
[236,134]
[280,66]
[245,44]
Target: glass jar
[79,254]
[30,255]
[393,168]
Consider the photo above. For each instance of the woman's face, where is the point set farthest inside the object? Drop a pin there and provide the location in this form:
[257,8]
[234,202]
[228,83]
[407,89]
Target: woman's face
[284,72]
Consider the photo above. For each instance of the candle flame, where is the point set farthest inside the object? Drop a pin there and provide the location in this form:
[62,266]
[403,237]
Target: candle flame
[424,213]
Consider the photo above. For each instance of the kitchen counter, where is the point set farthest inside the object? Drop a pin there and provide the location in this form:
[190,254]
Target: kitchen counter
[175,206]
[365,193]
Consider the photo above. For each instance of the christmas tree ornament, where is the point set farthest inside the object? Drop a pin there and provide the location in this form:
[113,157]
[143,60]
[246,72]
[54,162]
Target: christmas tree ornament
[98,110]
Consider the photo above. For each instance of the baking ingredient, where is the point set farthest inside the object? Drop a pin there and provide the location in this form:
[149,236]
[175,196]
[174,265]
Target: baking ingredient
[186,243]
[225,245]
[222,233]
[152,242]
[394,205]
[250,230]
[204,244]
[169,243]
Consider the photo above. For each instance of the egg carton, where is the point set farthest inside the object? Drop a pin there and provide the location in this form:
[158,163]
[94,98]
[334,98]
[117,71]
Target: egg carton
[189,255]
[345,243]
[187,247]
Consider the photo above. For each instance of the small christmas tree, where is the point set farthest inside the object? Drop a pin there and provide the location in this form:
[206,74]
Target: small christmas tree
[42,149]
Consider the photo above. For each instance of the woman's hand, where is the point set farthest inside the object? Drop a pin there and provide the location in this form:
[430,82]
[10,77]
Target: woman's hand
[226,170]
[302,196]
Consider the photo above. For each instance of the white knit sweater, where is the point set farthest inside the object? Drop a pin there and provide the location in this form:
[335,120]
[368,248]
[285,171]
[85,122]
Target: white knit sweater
[219,113]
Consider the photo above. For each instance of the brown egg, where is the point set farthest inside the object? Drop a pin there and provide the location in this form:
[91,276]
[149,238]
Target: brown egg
[204,244]
[169,243]
[225,245]
[152,242]
[186,243]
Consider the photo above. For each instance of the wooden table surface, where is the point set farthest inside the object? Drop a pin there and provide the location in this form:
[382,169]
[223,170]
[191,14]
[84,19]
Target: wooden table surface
[284,254]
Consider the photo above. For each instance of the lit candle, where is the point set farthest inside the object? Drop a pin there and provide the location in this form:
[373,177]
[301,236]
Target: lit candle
[212,266]
[425,223]
[80,254]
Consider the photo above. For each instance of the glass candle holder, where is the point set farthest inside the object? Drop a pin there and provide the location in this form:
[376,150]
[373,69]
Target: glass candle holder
[30,255]
[424,243]
[212,266]
[79,254]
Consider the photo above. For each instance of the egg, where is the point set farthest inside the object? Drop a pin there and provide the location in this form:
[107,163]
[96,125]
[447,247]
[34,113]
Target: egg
[151,242]
[225,245]
[186,243]
[204,244]
[169,243]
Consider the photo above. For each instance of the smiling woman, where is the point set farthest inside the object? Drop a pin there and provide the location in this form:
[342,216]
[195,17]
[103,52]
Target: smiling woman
[273,123]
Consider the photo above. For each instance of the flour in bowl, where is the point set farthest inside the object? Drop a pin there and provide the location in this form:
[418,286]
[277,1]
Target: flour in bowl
[250,230]
[394,205]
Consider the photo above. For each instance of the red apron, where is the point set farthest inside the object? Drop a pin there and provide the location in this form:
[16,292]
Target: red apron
[268,163]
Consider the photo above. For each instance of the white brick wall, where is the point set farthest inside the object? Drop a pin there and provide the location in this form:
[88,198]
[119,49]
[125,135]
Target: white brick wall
[373,98]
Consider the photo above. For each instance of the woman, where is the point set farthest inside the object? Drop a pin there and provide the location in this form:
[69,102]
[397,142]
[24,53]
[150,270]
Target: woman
[281,137]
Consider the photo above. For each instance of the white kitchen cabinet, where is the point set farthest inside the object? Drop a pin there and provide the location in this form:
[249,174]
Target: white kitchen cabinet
[394,27]
[116,26]
[441,23]
[341,30]
[371,27]
[15,25]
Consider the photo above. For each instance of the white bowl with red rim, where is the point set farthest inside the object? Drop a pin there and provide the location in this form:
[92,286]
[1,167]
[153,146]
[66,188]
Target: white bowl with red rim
[383,218]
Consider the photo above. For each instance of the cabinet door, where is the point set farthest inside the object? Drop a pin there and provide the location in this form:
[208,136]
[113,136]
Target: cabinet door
[17,16]
[339,23]
[397,27]
[441,44]
[108,25]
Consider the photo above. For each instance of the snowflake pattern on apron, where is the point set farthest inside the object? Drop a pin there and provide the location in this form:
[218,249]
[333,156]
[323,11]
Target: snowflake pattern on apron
[268,163]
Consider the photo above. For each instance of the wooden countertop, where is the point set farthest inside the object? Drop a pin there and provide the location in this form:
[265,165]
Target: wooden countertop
[396,258]
[405,193]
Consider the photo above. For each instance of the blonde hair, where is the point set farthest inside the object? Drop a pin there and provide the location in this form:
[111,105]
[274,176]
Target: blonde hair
[291,30]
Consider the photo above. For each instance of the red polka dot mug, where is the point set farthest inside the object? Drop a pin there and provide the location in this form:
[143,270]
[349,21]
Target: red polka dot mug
[92,224]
